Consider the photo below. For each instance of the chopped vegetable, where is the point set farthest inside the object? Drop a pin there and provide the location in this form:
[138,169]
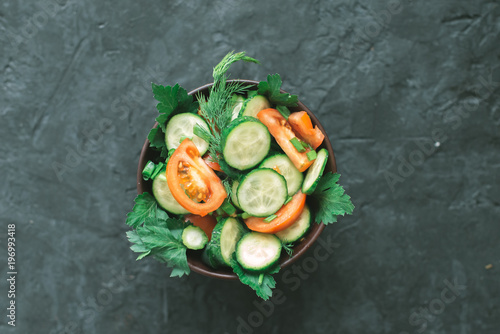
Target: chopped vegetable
[302,126]
[193,184]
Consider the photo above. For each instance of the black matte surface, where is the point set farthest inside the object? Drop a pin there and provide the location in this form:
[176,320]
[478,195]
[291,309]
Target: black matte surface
[74,90]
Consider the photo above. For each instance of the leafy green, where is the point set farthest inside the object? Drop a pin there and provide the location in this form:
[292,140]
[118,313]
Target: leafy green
[217,109]
[172,100]
[145,207]
[156,139]
[329,200]
[288,249]
[267,282]
[271,89]
[137,245]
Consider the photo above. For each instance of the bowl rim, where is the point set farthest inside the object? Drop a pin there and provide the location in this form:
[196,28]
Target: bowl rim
[312,235]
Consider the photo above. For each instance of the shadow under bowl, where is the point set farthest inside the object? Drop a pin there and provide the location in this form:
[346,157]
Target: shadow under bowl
[194,257]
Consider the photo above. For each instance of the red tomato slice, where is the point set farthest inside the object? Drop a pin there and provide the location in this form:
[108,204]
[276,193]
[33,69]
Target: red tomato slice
[302,126]
[192,183]
[286,216]
[281,130]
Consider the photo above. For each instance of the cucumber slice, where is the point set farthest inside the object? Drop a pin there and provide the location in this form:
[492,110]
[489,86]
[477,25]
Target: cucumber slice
[237,102]
[298,229]
[194,237]
[258,251]
[314,173]
[234,198]
[262,192]
[253,105]
[283,165]
[208,256]
[164,197]
[225,236]
[182,125]
[245,142]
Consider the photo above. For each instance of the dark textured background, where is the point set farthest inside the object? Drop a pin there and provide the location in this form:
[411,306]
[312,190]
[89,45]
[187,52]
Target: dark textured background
[74,90]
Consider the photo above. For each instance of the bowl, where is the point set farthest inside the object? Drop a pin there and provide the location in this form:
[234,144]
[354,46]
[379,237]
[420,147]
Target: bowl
[194,257]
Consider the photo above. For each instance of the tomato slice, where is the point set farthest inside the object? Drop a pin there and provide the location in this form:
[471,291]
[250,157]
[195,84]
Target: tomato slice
[302,126]
[281,130]
[286,216]
[212,164]
[192,183]
[206,223]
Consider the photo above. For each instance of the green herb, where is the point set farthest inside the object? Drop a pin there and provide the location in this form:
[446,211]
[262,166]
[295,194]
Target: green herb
[311,155]
[288,249]
[161,237]
[297,144]
[158,169]
[201,132]
[228,208]
[217,109]
[284,111]
[172,100]
[329,200]
[156,139]
[145,207]
[288,199]
[271,89]
[148,170]
[270,218]
[261,286]
[245,215]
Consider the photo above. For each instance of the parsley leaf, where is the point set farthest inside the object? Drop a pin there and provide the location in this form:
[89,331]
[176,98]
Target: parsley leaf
[145,207]
[271,89]
[288,249]
[156,139]
[137,245]
[329,200]
[263,289]
[172,101]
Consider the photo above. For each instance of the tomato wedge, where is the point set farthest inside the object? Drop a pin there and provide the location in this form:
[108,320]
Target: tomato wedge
[212,164]
[286,216]
[192,183]
[281,130]
[302,126]
[206,223]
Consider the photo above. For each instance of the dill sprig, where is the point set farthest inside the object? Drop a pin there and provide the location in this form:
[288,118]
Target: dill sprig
[217,110]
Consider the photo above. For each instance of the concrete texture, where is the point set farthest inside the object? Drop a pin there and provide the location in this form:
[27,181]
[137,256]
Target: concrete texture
[408,93]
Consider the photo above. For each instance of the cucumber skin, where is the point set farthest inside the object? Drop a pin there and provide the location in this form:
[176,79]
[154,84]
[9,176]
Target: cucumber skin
[235,123]
[245,104]
[253,171]
[213,248]
[274,156]
[283,237]
[204,237]
[264,268]
[310,190]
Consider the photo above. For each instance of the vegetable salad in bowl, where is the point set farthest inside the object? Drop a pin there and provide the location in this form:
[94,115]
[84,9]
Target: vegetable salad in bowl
[236,180]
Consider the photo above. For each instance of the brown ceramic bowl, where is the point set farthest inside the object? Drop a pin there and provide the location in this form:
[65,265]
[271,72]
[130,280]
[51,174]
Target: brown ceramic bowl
[194,257]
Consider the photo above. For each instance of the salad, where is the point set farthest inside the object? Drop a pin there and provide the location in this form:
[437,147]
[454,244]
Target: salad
[237,177]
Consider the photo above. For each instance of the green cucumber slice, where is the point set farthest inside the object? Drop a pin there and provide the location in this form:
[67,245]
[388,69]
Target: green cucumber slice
[262,192]
[253,105]
[193,237]
[182,126]
[164,197]
[283,165]
[225,236]
[298,229]
[234,198]
[237,103]
[245,142]
[314,172]
[258,251]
